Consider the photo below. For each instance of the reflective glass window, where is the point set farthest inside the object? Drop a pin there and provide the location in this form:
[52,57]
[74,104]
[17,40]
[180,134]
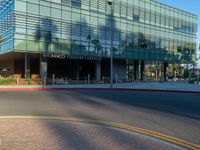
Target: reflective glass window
[55,13]
[45,10]
[20,6]
[76,3]
[33,8]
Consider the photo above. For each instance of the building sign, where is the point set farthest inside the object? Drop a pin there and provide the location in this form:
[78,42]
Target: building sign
[63,56]
[59,56]
[81,57]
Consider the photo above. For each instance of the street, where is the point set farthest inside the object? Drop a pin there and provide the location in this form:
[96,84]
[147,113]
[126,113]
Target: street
[174,114]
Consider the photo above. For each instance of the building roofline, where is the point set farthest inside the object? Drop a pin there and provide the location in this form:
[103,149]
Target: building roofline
[174,8]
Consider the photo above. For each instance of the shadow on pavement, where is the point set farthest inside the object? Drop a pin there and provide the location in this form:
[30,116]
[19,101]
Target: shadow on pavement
[186,105]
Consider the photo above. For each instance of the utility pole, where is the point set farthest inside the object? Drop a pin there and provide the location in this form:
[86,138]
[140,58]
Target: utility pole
[110,3]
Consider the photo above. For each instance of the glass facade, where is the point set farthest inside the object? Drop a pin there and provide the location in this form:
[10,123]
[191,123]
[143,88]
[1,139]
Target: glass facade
[141,29]
[6,25]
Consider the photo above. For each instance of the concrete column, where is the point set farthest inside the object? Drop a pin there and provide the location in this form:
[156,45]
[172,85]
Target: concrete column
[98,70]
[77,70]
[43,67]
[136,69]
[142,66]
[27,65]
[165,70]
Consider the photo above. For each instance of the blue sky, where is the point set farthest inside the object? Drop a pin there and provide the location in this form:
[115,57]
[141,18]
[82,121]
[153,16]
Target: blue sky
[192,6]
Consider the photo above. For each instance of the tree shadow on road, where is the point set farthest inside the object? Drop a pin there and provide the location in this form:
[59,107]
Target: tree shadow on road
[185,105]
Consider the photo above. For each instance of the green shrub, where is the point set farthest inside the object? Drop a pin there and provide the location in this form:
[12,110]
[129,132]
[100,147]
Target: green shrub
[6,81]
[29,81]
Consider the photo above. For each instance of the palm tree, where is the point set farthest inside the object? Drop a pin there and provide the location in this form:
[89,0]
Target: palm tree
[44,32]
[97,46]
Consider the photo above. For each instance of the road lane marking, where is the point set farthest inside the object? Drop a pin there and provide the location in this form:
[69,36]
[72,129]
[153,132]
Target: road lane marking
[150,133]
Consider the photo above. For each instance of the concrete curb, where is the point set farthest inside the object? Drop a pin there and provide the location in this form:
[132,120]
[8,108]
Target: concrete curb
[108,89]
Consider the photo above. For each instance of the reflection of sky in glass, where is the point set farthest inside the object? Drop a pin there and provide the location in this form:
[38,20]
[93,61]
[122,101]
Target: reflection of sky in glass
[187,5]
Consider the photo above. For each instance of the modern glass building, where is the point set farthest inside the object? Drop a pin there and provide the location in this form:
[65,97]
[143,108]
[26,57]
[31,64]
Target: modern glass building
[72,38]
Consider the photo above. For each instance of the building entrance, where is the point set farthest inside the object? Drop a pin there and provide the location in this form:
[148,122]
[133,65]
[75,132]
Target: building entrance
[72,69]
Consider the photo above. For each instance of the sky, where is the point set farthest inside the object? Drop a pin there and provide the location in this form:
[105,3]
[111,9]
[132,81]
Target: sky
[192,6]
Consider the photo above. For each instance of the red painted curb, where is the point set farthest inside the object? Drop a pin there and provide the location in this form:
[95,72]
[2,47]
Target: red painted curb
[113,89]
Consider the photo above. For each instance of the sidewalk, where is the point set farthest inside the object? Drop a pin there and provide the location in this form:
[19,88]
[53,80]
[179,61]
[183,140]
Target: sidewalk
[167,86]
[58,134]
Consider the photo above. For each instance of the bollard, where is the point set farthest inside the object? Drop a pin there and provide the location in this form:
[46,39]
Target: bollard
[133,78]
[116,78]
[66,82]
[17,80]
[161,79]
[45,80]
[53,79]
[103,78]
[88,78]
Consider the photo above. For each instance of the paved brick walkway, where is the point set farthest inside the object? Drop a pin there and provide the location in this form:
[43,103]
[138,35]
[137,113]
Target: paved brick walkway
[28,134]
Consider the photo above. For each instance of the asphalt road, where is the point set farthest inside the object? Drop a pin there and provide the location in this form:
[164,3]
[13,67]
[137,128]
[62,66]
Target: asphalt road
[174,114]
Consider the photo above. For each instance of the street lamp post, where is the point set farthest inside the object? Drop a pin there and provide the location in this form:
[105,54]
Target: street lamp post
[110,3]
